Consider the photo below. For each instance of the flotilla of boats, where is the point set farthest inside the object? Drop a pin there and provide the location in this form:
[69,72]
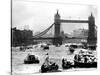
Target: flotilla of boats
[84,59]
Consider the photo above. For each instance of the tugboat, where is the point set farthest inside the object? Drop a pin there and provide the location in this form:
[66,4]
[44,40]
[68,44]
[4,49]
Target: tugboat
[30,59]
[49,66]
[66,64]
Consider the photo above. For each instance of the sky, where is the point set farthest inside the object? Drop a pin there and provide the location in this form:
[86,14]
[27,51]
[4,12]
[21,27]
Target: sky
[38,16]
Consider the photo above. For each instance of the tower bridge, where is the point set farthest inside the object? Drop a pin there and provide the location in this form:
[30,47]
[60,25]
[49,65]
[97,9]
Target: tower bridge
[57,38]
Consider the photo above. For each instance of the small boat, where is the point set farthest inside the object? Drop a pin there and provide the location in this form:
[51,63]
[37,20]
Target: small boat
[30,59]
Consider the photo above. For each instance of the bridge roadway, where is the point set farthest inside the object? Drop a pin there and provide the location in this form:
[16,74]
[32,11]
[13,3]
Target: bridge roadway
[65,40]
[43,38]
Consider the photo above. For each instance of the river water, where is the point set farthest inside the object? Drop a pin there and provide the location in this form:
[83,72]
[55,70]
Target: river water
[55,53]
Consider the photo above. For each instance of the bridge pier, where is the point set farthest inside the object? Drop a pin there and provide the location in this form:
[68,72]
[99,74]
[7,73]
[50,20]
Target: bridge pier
[57,41]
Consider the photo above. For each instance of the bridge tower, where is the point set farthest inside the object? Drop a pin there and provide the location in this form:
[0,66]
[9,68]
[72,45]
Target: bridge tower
[91,40]
[57,38]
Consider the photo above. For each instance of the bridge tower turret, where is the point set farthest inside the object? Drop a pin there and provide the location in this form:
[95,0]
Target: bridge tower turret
[91,40]
[57,24]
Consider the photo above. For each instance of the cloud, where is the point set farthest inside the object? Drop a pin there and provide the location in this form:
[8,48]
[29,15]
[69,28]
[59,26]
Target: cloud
[20,13]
